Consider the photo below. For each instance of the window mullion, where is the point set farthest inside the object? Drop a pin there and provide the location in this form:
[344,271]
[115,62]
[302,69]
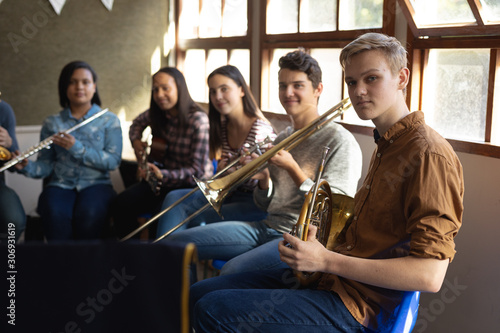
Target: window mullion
[476,7]
[494,64]
[222,4]
[338,16]
[298,15]
[409,13]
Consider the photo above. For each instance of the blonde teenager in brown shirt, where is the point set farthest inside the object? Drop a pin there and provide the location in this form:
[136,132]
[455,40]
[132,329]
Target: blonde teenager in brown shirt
[406,215]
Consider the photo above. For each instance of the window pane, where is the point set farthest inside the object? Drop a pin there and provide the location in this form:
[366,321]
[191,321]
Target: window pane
[274,104]
[210,18]
[188,20]
[455,92]
[442,12]
[318,15]
[194,73]
[491,10]
[241,59]
[282,16]
[360,14]
[331,71]
[215,59]
[234,19]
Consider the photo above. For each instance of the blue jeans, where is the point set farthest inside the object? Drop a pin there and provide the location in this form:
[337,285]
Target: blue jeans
[266,301]
[238,206]
[256,243]
[11,212]
[71,214]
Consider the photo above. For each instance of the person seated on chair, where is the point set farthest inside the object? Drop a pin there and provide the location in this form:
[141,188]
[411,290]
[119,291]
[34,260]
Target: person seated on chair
[236,123]
[12,215]
[282,186]
[406,215]
[74,203]
[179,150]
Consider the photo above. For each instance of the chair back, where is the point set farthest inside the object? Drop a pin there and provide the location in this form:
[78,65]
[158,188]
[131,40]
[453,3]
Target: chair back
[103,287]
[406,313]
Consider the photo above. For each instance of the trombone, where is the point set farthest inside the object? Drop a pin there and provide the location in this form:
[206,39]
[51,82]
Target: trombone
[216,190]
[255,148]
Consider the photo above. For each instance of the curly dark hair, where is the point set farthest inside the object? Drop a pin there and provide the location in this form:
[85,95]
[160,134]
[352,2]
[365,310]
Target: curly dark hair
[299,60]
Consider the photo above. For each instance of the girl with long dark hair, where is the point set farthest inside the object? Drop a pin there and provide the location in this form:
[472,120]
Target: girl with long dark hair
[179,149]
[236,122]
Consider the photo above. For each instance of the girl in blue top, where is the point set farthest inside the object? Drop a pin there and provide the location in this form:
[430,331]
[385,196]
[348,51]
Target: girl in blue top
[75,199]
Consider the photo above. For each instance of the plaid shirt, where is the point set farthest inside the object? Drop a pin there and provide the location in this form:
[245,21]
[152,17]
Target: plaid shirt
[186,151]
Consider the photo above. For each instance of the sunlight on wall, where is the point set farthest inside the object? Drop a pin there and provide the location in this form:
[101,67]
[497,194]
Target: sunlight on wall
[156,60]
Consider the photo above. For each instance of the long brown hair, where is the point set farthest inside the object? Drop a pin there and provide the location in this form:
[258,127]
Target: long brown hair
[250,108]
[185,103]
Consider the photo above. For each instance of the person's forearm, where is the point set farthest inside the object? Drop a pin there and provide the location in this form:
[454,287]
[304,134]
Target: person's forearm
[298,176]
[405,273]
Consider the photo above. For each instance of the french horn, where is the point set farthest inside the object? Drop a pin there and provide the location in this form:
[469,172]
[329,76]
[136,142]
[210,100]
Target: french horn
[331,213]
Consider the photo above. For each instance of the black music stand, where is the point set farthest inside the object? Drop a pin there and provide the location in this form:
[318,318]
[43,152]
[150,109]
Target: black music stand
[99,287]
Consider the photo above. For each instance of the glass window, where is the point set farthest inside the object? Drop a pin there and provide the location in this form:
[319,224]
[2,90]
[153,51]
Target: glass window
[318,15]
[215,59]
[198,67]
[495,130]
[331,75]
[189,18]
[282,16]
[234,19]
[210,19]
[437,12]
[194,72]
[455,91]
[241,59]
[274,104]
[360,14]
[491,10]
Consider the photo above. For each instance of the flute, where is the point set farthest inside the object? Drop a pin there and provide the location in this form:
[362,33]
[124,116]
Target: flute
[47,142]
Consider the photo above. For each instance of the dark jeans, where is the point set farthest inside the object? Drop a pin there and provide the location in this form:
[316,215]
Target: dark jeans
[128,205]
[266,301]
[11,213]
[71,214]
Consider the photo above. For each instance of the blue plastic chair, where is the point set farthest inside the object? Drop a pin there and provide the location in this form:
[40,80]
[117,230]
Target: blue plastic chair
[406,313]
[217,264]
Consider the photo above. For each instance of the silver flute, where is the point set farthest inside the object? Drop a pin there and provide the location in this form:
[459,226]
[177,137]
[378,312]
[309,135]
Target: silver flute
[47,142]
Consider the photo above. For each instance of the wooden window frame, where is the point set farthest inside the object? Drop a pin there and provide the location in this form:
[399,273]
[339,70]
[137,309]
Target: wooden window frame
[466,36]
[418,40]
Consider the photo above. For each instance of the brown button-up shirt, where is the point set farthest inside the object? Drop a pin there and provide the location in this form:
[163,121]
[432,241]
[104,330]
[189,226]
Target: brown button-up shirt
[410,203]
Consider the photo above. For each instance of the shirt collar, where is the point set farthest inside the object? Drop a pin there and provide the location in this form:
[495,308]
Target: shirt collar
[66,113]
[402,126]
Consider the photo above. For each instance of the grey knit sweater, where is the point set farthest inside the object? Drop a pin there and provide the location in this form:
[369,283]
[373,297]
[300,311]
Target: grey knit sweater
[283,201]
